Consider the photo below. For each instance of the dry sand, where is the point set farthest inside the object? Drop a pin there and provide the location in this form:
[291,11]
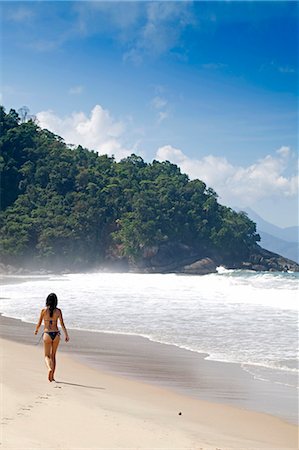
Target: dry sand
[89,408]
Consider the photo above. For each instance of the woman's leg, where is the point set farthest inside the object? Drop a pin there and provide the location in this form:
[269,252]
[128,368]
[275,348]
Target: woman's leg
[55,344]
[47,352]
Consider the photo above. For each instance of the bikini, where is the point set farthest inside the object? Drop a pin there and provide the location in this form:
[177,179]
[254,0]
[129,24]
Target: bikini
[52,334]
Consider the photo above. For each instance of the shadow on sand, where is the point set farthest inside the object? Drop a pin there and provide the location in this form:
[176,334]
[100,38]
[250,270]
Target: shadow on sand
[80,385]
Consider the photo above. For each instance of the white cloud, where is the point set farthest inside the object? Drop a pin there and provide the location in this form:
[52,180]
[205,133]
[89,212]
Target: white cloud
[283,151]
[123,16]
[45,45]
[214,66]
[76,90]
[161,29]
[274,65]
[236,184]
[98,132]
[162,115]
[286,69]
[139,28]
[133,56]
[159,102]
[19,14]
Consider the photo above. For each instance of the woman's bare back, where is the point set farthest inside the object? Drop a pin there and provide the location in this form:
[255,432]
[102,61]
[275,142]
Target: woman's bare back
[50,323]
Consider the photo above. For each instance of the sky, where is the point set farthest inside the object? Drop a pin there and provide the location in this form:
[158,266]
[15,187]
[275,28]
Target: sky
[210,86]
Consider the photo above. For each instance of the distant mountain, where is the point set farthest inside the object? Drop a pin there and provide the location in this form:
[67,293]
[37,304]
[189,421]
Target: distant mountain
[283,241]
[289,234]
[287,249]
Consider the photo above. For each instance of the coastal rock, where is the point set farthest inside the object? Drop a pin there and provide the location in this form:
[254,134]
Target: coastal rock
[265,260]
[259,268]
[170,257]
[181,258]
[201,267]
[261,259]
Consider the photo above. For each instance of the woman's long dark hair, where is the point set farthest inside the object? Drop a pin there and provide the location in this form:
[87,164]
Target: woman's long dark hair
[51,302]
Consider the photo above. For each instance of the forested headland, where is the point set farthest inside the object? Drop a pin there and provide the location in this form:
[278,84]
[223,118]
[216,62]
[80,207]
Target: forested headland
[66,207]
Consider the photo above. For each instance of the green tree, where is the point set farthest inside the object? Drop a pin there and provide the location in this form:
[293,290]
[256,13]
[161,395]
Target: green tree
[70,206]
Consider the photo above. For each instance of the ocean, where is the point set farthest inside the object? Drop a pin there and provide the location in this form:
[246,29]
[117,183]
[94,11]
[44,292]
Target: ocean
[233,316]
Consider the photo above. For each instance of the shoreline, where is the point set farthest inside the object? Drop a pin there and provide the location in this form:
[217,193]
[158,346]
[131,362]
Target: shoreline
[166,366]
[94,409]
[91,409]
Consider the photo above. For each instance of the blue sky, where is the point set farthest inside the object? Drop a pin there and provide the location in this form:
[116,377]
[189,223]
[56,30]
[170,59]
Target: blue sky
[211,86]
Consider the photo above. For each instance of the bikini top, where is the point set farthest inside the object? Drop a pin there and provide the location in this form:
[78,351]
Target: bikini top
[51,320]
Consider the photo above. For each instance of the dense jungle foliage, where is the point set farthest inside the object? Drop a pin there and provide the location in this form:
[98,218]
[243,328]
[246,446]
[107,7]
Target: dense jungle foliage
[75,208]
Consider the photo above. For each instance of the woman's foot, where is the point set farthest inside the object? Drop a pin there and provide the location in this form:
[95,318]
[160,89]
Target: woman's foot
[50,375]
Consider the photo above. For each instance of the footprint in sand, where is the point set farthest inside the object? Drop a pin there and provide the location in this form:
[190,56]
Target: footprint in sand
[5,419]
[19,413]
[40,398]
[22,411]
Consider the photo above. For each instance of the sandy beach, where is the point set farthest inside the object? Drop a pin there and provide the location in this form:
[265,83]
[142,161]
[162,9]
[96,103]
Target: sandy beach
[92,408]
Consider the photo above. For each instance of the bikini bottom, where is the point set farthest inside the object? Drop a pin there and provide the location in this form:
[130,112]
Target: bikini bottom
[52,334]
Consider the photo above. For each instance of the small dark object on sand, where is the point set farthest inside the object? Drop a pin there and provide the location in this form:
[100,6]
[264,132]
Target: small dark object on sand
[180,413]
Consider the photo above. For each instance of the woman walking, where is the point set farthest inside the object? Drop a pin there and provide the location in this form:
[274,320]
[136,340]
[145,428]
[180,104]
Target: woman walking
[51,334]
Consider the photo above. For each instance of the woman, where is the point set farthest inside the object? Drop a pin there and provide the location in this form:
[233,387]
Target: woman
[51,334]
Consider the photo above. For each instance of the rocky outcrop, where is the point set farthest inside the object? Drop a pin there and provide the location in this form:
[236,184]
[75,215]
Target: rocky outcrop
[201,267]
[170,257]
[264,260]
[180,258]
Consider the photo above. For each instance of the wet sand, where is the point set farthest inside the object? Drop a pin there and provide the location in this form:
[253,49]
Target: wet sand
[167,366]
[89,408]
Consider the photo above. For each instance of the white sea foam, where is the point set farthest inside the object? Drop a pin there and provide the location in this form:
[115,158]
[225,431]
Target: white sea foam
[234,316]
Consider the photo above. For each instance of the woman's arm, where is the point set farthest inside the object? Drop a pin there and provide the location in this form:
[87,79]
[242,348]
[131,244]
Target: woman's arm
[39,321]
[63,326]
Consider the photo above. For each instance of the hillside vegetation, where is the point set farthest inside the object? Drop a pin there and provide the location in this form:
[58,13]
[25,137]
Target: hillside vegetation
[69,207]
